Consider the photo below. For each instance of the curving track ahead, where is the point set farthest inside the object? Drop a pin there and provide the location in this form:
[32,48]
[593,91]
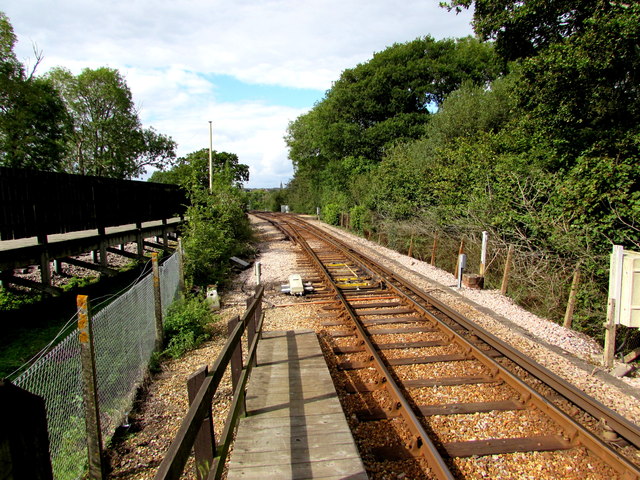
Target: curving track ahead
[431,395]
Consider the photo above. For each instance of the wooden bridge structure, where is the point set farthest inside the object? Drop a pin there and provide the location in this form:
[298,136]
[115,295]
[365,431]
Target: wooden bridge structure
[47,216]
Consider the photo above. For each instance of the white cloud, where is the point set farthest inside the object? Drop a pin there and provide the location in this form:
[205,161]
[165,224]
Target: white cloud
[167,50]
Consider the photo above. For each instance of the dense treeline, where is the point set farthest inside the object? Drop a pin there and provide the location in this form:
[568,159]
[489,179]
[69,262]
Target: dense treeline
[86,124]
[534,137]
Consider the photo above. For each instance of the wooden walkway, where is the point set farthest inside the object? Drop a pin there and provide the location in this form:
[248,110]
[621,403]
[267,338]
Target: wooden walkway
[295,427]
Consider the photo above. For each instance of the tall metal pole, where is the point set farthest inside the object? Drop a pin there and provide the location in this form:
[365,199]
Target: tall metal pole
[210,156]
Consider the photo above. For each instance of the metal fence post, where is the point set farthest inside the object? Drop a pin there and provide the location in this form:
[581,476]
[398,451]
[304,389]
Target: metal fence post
[158,301]
[89,389]
[205,443]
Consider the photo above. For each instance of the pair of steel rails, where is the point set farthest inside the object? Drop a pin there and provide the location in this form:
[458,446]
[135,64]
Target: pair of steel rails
[420,444]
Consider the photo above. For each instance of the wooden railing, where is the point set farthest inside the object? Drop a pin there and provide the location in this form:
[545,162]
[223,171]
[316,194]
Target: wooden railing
[196,431]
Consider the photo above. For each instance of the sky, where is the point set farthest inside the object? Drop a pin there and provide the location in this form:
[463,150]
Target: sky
[248,66]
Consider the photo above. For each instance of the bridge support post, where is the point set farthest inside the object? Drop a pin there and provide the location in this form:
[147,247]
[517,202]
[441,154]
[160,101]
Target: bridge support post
[140,240]
[103,247]
[45,269]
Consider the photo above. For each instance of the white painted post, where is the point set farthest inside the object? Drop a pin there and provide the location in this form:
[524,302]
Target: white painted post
[483,253]
[462,263]
[257,270]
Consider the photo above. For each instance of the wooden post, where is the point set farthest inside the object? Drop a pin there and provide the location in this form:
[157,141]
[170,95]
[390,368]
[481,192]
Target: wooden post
[89,389]
[568,315]
[45,269]
[507,270]
[410,252]
[165,238]
[180,267]
[236,356]
[139,239]
[103,246]
[379,238]
[483,254]
[460,252]
[610,334]
[434,249]
[158,301]
[24,442]
[251,328]
[204,446]
[236,362]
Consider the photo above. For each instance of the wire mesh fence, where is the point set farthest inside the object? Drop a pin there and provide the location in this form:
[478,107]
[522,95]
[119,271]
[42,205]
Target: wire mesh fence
[124,339]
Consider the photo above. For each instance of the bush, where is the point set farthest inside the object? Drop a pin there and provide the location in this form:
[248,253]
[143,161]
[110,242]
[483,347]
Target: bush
[331,214]
[184,325]
[360,218]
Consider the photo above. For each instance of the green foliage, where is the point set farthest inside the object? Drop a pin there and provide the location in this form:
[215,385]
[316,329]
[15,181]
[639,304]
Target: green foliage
[523,28]
[374,106]
[193,169]
[184,325]
[360,219]
[78,282]
[216,228]
[15,301]
[33,118]
[331,214]
[107,137]
[544,158]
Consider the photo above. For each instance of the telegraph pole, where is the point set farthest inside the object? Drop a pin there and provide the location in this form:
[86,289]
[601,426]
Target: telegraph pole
[210,157]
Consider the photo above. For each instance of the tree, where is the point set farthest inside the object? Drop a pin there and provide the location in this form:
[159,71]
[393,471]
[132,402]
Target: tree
[523,28]
[33,118]
[107,138]
[385,101]
[193,169]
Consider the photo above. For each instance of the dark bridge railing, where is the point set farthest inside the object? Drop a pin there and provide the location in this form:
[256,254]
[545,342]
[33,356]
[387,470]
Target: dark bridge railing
[36,203]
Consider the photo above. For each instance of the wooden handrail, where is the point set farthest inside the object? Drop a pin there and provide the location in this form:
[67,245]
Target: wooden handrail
[173,464]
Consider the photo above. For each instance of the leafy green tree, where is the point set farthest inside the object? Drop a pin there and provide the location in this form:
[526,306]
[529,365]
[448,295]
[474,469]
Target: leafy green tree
[194,169]
[33,118]
[523,28]
[107,138]
[378,104]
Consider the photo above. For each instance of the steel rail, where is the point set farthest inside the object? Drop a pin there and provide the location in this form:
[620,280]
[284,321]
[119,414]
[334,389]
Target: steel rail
[421,444]
[575,432]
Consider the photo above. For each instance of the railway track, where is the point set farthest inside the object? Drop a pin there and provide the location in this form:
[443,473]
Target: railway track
[430,395]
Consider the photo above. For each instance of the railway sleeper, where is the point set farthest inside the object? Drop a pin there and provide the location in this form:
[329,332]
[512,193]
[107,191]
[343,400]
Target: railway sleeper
[493,446]
[374,414]
[390,346]
[451,357]
[364,387]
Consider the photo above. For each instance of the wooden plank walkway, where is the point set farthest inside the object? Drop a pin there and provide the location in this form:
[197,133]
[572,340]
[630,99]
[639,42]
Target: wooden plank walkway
[295,427]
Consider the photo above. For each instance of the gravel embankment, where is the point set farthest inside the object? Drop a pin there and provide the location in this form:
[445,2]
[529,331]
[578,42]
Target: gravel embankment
[571,355]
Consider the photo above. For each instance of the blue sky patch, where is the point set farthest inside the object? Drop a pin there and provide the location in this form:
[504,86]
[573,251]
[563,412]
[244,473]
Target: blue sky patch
[230,89]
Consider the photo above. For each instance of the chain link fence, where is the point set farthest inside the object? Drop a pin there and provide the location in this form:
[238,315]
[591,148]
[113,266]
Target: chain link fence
[124,339]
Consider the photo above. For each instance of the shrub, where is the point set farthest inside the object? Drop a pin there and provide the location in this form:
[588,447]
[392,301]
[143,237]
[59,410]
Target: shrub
[184,325]
[331,214]
[360,218]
